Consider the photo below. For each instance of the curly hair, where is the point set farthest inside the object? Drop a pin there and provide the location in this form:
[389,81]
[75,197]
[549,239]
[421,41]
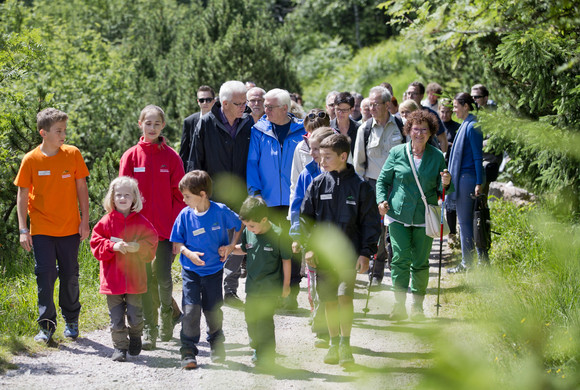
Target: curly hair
[421,116]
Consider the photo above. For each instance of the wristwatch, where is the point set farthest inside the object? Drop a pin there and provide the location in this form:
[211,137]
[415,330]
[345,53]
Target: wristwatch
[24,231]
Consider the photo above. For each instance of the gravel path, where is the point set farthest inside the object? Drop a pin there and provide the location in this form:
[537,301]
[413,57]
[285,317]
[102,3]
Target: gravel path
[388,354]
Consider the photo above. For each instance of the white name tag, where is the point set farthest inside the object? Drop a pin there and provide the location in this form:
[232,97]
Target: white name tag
[216,227]
[352,202]
[139,169]
[198,231]
[268,249]
[396,138]
[66,176]
[116,239]
[325,196]
[163,170]
[43,173]
[249,246]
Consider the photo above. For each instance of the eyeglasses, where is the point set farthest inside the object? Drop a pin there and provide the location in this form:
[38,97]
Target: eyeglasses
[239,104]
[319,114]
[268,107]
[373,105]
[343,110]
[419,130]
[477,97]
[205,100]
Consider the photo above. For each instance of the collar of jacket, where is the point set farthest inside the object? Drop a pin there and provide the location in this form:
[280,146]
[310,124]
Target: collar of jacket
[265,126]
[216,117]
[117,215]
[349,171]
[150,147]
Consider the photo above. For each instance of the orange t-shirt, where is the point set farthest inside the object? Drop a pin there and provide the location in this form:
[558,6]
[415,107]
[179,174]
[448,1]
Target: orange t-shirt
[52,192]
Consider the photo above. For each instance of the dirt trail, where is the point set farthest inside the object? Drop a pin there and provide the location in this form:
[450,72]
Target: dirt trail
[388,355]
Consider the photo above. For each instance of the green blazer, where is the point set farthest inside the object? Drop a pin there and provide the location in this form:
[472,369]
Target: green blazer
[396,183]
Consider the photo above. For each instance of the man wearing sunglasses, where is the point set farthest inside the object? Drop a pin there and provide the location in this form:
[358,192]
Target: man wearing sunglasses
[272,146]
[205,100]
[220,147]
[480,94]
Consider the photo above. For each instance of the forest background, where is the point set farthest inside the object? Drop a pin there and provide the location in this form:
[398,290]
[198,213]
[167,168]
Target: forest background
[102,61]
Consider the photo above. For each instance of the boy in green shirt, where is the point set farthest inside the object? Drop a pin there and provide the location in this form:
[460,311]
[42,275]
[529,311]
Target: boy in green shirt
[268,276]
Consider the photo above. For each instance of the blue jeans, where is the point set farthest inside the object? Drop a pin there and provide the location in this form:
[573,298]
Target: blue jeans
[464,207]
[57,257]
[201,292]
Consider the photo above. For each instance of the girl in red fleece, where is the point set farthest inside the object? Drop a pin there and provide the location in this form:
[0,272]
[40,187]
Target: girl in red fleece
[124,241]
[158,170]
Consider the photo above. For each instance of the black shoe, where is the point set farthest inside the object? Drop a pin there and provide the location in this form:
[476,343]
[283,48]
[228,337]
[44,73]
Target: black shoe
[135,346]
[119,355]
[232,299]
[188,362]
[376,283]
[458,269]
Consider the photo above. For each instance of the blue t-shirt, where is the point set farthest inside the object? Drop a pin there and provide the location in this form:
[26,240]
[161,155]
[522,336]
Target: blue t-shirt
[204,233]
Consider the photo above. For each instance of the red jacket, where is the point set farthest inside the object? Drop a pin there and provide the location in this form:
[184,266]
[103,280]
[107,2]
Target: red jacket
[123,273]
[158,169]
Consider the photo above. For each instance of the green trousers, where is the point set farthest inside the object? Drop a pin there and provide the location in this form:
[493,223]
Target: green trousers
[411,248]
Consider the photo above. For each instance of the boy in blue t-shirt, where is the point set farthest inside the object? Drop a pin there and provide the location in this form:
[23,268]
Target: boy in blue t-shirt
[269,268]
[200,233]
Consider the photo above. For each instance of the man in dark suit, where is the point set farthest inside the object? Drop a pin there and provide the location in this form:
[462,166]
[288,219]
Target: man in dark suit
[205,100]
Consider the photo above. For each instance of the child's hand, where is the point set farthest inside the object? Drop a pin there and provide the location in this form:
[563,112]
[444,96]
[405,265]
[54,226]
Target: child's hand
[120,246]
[195,257]
[224,252]
[295,247]
[285,291]
[310,259]
[362,264]
[133,247]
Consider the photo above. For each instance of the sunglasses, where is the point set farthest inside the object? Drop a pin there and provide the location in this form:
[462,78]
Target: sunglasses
[477,97]
[205,100]
[313,115]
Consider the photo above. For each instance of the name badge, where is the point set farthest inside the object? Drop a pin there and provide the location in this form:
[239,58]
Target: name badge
[249,246]
[396,137]
[198,231]
[116,239]
[216,227]
[66,176]
[139,169]
[326,197]
[352,202]
[268,249]
[163,170]
[43,173]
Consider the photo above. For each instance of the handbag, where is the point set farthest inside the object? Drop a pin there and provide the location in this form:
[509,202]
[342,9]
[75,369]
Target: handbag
[481,223]
[434,217]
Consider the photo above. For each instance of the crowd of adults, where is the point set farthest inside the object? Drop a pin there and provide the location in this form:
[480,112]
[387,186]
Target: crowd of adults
[261,137]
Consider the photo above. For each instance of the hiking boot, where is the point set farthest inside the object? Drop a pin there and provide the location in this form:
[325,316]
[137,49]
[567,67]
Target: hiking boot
[321,342]
[119,355]
[44,336]
[149,338]
[332,356]
[399,313]
[167,324]
[458,269]
[135,346]
[232,299]
[188,362]
[417,313]
[71,330]
[345,355]
[217,352]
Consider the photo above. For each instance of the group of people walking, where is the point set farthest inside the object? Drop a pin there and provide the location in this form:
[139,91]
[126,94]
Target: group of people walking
[369,178]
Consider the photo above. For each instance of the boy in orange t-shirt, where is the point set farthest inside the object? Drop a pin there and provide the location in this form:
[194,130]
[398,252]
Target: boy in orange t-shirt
[51,187]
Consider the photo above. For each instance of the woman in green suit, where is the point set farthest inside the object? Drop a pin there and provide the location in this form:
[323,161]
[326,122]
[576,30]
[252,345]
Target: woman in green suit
[399,201]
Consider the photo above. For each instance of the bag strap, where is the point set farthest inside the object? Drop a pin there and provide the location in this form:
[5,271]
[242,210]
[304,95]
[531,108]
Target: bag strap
[415,174]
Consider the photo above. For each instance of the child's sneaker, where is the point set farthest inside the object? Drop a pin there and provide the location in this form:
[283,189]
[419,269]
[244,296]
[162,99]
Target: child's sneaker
[71,330]
[332,355]
[135,346]
[321,342]
[119,355]
[345,355]
[217,352]
[44,336]
[188,362]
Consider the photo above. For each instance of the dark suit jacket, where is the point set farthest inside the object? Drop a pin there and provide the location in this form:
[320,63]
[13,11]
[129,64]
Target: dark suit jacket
[189,125]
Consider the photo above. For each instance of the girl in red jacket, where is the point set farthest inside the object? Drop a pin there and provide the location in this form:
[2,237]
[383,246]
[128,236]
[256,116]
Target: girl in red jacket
[158,170]
[124,241]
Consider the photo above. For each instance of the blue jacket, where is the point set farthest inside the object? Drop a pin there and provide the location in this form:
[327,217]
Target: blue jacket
[308,174]
[269,165]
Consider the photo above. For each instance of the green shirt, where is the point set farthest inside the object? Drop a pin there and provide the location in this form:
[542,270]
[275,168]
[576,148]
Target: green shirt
[264,261]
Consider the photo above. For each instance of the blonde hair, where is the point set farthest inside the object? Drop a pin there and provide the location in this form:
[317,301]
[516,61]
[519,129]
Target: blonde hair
[109,200]
[152,108]
[409,104]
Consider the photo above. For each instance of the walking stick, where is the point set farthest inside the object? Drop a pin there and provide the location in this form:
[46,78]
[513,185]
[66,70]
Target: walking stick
[440,248]
[366,308]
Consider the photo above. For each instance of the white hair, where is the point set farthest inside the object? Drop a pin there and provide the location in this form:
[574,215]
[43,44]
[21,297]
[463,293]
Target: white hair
[281,95]
[385,94]
[229,88]
[256,89]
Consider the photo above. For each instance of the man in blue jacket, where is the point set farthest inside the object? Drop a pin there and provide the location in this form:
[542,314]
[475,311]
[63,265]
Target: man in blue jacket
[272,145]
